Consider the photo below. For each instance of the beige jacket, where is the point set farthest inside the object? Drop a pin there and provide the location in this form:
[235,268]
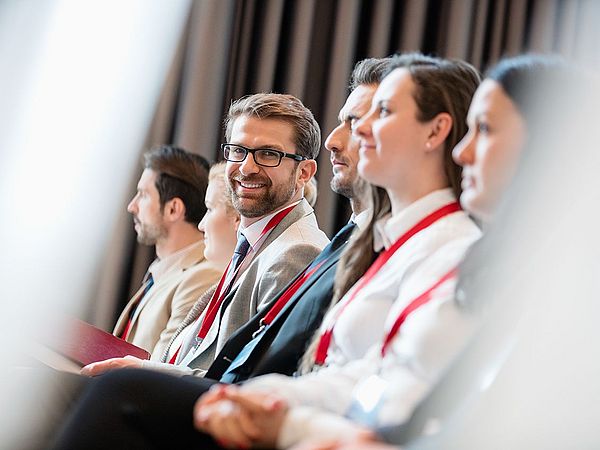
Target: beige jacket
[176,288]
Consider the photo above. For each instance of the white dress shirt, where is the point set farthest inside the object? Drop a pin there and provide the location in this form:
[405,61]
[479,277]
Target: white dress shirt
[428,339]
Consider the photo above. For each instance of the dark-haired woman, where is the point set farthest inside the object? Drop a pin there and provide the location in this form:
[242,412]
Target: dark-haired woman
[506,115]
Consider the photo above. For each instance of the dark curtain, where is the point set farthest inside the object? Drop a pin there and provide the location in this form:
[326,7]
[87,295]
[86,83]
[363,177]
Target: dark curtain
[308,48]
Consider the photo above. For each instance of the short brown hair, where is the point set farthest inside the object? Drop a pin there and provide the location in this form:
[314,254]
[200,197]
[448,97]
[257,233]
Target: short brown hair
[370,71]
[180,174]
[307,134]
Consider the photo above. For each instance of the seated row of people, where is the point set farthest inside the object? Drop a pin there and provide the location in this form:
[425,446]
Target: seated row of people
[395,315]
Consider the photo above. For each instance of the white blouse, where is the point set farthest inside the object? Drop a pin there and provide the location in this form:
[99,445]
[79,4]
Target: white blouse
[362,321]
[429,338]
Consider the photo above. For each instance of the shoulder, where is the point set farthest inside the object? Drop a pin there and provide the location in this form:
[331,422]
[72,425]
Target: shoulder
[304,230]
[456,230]
[202,269]
[297,240]
[198,278]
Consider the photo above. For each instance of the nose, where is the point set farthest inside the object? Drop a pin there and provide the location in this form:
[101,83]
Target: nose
[464,152]
[132,206]
[248,166]
[364,126]
[335,142]
[202,225]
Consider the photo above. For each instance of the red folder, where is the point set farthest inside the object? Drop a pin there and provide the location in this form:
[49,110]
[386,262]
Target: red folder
[84,344]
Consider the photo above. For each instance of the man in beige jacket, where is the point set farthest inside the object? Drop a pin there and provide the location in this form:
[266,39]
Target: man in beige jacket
[166,210]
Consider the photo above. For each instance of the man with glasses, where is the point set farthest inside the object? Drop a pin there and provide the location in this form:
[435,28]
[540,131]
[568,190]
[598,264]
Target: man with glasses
[272,143]
[272,341]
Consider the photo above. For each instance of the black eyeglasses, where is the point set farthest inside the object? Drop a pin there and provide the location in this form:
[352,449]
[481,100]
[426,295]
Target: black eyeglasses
[266,157]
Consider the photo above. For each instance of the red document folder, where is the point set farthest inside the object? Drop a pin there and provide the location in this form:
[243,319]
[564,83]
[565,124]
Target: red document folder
[83,344]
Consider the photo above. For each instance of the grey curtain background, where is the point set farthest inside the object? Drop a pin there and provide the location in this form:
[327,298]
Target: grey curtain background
[308,47]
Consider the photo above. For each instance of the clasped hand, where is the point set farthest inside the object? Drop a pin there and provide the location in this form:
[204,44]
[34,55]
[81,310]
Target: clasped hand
[240,419]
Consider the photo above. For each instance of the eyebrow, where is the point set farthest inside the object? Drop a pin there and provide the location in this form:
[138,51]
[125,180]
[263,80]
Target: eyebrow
[263,146]
[348,116]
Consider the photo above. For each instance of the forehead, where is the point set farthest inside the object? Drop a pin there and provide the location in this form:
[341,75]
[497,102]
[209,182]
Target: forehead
[147,180]
[491,100]
[253,132]
[215,189]
[359,101]
[398,84]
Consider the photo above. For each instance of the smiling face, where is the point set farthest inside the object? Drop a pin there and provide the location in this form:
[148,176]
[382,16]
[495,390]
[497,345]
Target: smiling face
[343,146]
[257,190]
[219,224]
[147,213]
[490,150]
[392,140]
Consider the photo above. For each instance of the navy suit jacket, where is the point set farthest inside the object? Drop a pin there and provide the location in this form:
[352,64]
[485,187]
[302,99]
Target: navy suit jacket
[283,343]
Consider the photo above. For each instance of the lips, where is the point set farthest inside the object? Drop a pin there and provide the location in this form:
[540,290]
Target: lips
[467,182]
[364,145]
[247,185]
[337,162]
[244,186]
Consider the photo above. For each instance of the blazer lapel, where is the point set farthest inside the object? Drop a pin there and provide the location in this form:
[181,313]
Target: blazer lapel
[301,210]
[192,258]
[124,317]
[333,259]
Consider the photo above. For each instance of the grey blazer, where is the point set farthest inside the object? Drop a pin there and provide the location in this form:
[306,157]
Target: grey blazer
[292,244]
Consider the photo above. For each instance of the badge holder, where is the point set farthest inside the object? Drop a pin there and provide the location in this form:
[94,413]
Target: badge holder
[367,399]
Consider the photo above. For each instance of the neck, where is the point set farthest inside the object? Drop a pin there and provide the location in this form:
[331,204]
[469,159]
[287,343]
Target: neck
[402,198]
[176,239]
[357,206]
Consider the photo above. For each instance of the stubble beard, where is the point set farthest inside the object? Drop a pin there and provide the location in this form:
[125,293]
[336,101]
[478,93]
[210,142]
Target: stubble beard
[149,234]
[265,203]
[342,186]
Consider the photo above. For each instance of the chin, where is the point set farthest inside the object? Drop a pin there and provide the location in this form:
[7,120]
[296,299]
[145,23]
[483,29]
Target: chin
[363,169]
[474,205]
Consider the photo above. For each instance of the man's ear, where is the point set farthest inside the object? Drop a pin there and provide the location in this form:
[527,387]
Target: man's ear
[441,125]
[174,210]
[306,170]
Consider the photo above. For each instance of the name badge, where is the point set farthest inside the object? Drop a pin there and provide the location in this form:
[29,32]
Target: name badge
[366,400]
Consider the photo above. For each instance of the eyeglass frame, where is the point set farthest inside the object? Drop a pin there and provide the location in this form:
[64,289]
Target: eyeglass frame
[281,154]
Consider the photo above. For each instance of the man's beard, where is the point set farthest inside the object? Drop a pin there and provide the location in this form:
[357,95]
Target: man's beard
[149,233]
[342,187]
[267,202]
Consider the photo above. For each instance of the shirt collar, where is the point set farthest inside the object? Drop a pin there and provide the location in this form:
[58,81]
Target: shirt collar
[361,219]
[160,267]
[389,228]
[253,232]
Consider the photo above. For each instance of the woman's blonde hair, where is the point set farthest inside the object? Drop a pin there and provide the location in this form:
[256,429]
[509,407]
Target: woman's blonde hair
[310,191]
[217,173]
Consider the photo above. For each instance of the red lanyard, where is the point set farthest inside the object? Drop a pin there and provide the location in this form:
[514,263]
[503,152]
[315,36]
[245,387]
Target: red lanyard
[285,297]
[217,298]
[416,303]
[325,339]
